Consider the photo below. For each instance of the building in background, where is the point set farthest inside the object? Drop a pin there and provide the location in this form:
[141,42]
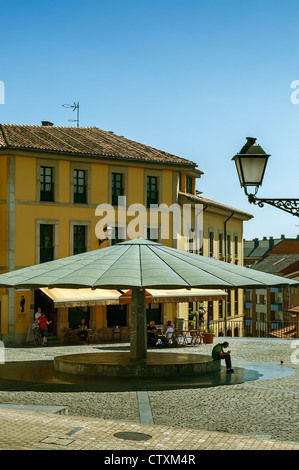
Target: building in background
[267,311]
[222,240]
[52,179]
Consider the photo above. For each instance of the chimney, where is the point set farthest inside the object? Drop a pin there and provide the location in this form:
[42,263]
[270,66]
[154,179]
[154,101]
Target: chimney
[256,242]
[271,242]
[47,123]
[282,237]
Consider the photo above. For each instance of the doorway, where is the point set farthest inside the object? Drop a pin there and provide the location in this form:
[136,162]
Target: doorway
[47,306]
[116,315]
[76,314]
[153,313]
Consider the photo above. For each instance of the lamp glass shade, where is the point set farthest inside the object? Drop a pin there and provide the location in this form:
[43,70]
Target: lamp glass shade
[109,231]
[251,169]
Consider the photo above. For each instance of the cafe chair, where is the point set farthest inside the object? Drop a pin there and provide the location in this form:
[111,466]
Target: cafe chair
[106,334]
[126,335]
[93,335]
[116,334]
[67,336]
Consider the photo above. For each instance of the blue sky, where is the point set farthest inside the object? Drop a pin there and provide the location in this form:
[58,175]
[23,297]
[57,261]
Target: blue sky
[189,77]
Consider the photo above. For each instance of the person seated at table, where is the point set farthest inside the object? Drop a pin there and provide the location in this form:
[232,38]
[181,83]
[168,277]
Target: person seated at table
[169,331]
[83,333]
[152,334]
[167,337]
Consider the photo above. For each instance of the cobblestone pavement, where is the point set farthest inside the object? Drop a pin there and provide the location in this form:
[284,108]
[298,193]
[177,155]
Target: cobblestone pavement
[24,430]
[256,414]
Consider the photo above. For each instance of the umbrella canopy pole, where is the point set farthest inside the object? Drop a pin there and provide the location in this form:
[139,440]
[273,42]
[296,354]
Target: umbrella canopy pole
[138,346]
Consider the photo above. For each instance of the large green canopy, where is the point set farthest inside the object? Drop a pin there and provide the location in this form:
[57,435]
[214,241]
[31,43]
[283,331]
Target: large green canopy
[137,265]
[140,263]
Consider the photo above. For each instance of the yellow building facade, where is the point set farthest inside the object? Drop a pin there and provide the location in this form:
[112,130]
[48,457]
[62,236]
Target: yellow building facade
[222,239]
[52,181]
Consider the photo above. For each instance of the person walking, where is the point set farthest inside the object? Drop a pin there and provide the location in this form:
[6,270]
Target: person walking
[43,325]
[218,353]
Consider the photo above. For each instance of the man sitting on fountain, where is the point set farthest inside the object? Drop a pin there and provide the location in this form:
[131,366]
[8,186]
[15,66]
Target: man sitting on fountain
[218,354]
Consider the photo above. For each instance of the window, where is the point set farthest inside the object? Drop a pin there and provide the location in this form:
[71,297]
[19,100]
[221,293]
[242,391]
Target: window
[154,313]
[229,303]
[229,254]
[80,187]
[79,239]
[210,309]
[117,235]
[236,302]
[116,315]
[76,314]
[46,184]
[152,190]
[153,234]
[211,238]
[236,247]
[191,239]
[220,309]
[46,243]
[189,185]
[220,245]
[117,187]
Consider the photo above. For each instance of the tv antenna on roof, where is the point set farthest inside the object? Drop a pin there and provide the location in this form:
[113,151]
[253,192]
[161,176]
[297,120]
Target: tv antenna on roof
[75,106]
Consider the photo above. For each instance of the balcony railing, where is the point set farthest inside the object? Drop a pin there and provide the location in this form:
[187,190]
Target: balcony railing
[246,327]
[276,307]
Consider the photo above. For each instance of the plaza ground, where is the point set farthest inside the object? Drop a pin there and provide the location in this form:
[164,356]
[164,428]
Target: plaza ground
[256,408]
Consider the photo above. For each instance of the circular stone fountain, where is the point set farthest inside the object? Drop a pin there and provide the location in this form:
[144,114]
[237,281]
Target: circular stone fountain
[120,364]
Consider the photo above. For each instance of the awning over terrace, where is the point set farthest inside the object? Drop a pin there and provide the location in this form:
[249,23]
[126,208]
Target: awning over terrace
[82,297]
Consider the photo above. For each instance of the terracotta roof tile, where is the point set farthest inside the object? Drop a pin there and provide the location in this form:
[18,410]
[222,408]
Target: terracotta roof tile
[276,263]
[85,141]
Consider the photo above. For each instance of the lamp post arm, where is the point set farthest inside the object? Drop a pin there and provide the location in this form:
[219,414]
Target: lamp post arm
[288,205]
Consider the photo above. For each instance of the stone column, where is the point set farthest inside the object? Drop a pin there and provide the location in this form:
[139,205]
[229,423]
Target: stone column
[62,322]
[138,347]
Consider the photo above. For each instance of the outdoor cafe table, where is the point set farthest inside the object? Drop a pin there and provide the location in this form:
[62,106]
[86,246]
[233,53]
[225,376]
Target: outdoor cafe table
[71,335]
[190,337]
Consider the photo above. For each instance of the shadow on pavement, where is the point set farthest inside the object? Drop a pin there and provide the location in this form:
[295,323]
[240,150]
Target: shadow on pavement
[41,376]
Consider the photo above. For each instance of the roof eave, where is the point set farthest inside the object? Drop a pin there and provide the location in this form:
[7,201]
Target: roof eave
[187,164]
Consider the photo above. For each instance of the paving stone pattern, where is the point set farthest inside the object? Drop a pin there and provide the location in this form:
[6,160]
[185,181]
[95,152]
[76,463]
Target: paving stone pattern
[261,414]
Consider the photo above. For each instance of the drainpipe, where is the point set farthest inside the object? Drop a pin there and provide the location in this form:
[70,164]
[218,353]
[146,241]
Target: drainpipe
[225,253]
[197,306]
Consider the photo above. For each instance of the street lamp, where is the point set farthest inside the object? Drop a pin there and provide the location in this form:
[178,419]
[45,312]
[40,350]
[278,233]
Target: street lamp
[251,164]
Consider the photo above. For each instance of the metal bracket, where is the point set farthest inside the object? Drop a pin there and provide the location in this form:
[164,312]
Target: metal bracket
[288,205]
